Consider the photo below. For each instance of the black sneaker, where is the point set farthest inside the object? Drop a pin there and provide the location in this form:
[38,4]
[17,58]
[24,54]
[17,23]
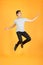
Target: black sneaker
[16,45]
[21,45]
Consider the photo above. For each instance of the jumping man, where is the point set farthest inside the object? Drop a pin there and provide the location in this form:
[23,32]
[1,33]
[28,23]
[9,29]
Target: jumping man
[19,22]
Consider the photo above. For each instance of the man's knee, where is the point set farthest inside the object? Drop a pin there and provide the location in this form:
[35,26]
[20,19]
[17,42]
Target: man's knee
[29,38]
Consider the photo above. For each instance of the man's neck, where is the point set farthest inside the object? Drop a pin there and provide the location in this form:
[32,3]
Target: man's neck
[19,17]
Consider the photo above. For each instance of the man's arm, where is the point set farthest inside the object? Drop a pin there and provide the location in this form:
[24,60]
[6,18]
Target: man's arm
[32,19]
[11,27]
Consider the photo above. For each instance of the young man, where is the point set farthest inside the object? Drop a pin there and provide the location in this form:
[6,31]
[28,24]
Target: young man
[19,22]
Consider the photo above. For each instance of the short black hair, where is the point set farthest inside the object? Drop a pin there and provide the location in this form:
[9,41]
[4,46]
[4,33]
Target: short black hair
[18,11]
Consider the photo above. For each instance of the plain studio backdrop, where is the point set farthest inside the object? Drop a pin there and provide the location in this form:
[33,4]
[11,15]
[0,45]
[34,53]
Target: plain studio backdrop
[32,53]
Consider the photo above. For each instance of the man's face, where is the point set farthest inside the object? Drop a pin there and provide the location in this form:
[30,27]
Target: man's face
[19,14]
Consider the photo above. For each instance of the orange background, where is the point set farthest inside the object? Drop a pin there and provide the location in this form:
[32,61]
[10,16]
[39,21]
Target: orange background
[32,53]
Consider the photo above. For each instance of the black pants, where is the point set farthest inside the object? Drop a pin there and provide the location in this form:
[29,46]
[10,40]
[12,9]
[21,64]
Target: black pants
[25,34]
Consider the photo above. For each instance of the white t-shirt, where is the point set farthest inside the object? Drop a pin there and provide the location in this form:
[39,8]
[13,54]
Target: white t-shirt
[20,23]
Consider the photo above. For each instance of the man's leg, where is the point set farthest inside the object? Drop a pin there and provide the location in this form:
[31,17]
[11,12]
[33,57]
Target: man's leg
[28,38]
[20,40]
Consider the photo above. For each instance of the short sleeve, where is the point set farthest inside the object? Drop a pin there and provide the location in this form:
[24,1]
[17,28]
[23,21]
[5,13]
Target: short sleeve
[14,22]
[26,19]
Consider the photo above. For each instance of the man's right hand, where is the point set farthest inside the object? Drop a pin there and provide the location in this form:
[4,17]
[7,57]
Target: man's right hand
[10,27]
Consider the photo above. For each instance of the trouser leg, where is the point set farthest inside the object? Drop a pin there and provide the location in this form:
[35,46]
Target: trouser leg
[20,40]
[28,38]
